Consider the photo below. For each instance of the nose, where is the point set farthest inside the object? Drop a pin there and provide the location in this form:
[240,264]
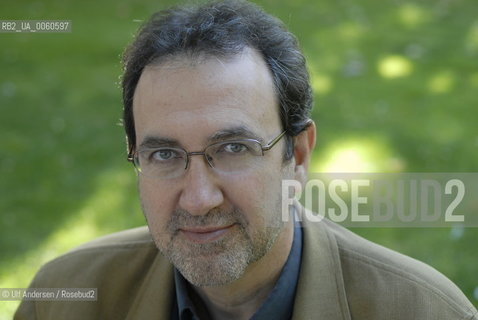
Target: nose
[201,191]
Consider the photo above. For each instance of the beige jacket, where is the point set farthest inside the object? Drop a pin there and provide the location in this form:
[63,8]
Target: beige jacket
[343,276]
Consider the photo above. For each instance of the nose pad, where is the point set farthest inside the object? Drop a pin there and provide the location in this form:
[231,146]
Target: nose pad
[209,160]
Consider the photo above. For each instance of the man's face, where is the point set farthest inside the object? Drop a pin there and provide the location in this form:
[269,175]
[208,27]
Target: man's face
[211,225]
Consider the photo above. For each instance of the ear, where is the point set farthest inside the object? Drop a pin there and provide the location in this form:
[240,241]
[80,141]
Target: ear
[304,144]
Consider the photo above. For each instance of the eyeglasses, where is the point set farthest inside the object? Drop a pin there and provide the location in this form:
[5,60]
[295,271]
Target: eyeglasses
[230,156]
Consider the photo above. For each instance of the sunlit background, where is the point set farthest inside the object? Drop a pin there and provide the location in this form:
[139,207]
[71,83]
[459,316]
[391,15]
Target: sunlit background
[395,85]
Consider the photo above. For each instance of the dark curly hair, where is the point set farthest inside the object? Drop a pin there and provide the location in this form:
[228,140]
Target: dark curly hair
[222,29]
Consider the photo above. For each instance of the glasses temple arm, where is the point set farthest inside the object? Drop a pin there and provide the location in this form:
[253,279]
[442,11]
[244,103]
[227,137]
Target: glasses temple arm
[273,142]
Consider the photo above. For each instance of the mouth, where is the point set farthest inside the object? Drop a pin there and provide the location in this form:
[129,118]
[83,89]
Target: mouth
[205,234]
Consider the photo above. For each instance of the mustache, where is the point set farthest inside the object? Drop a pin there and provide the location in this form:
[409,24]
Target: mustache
[216,217]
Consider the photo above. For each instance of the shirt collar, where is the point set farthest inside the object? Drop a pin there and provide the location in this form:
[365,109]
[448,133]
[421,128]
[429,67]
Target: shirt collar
[278,305]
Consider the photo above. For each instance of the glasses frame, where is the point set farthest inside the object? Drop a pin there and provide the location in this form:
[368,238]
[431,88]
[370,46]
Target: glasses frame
[133,157]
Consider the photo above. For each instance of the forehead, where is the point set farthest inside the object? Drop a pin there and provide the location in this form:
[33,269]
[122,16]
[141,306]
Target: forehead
[182,97]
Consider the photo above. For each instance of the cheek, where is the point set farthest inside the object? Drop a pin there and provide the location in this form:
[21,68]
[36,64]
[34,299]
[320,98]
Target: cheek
[155,201]
[255,194]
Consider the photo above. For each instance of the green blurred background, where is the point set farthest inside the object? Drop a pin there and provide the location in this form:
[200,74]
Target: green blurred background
[395,84]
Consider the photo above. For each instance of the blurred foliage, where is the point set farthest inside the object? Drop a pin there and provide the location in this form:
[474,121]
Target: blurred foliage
[395,91]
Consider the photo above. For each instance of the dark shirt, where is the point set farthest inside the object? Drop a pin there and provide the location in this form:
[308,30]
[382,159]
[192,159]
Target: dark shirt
[278,305]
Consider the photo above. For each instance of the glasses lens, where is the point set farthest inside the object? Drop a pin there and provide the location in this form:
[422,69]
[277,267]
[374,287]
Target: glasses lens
[163,163]
[234,156]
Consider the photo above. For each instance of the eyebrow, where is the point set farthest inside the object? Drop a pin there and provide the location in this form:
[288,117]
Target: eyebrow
[156,141]
[239,132]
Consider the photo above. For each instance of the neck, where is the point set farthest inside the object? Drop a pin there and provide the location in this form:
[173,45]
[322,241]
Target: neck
[242,298]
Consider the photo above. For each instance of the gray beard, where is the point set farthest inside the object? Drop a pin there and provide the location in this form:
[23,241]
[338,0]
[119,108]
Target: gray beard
[219,262]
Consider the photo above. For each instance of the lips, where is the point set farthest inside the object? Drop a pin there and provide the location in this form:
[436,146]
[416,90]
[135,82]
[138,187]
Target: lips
[205,234]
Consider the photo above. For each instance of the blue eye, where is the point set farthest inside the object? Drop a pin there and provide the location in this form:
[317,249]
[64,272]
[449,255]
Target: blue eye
[235,147]
[163,155]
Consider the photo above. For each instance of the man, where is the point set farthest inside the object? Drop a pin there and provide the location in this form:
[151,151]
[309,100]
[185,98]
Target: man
[216,111]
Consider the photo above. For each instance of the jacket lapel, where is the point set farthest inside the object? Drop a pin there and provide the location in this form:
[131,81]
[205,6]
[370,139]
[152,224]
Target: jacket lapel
[320,291]
[155,297]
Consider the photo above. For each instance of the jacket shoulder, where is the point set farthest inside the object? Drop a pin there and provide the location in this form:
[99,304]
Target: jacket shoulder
[383,284]
[116,265]
[116,255]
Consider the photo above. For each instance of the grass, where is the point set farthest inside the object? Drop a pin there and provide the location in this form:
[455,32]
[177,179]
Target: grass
[394,79]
